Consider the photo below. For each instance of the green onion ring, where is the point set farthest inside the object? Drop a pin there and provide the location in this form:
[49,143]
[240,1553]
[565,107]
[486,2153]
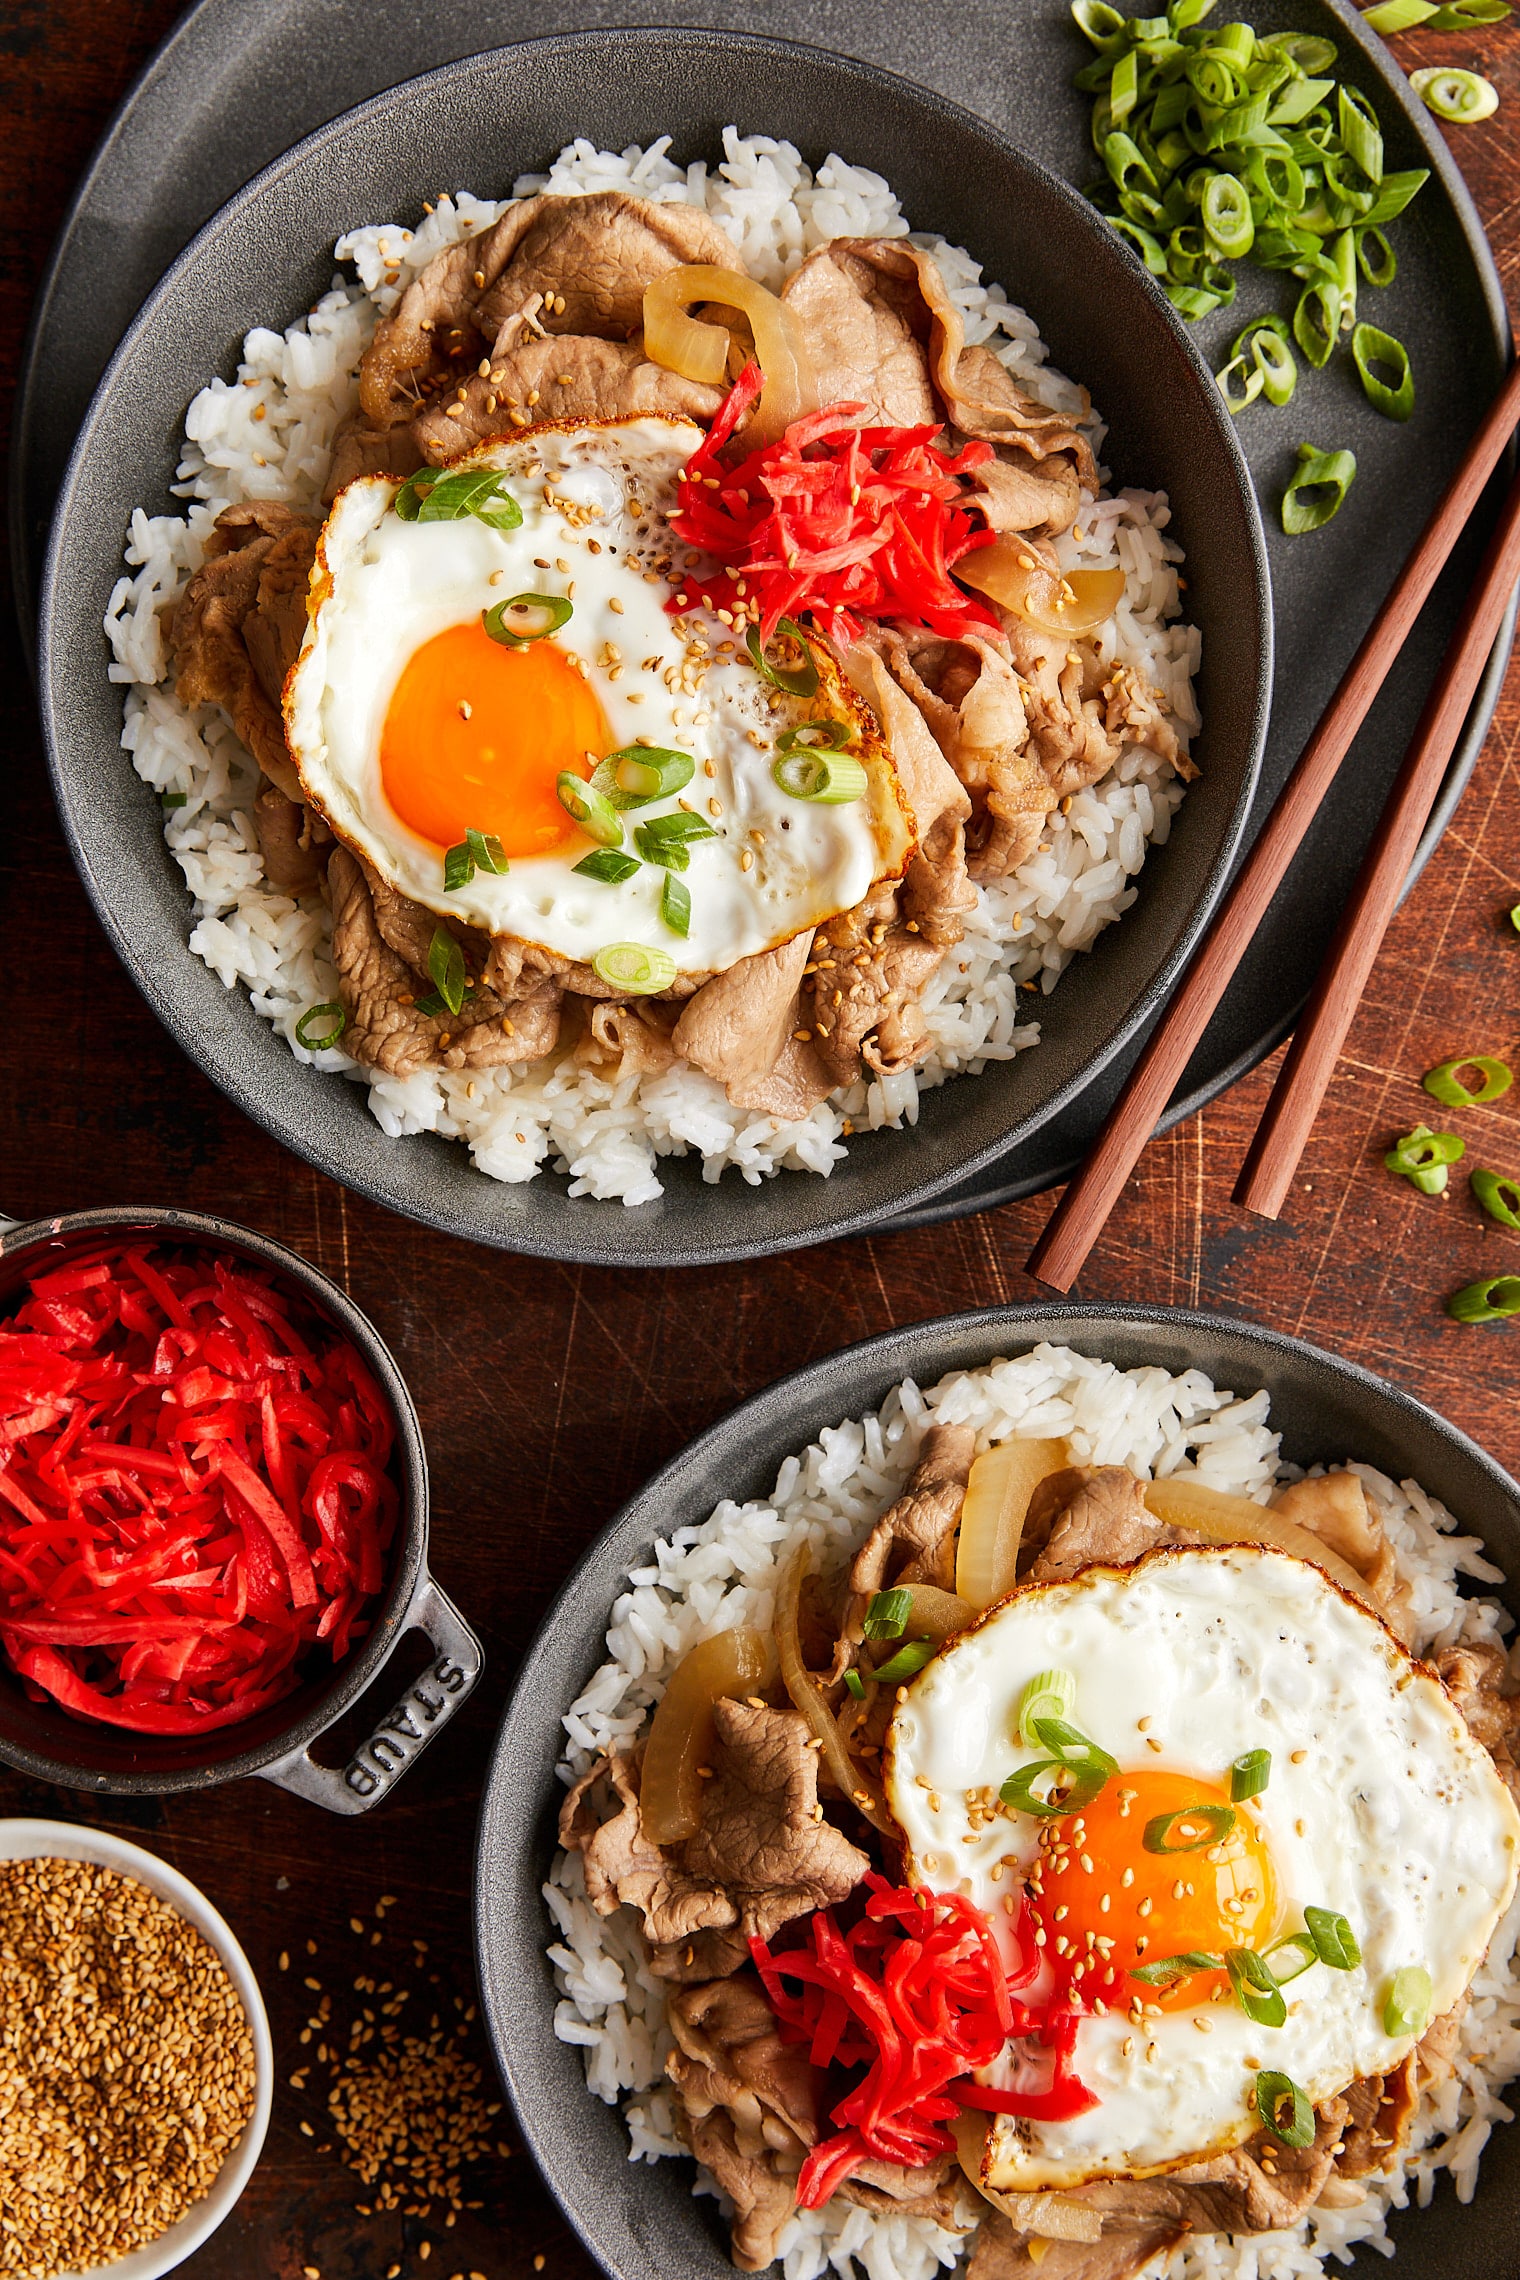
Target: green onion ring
[829,779]
[1393,16]
[1335,1943]
[796,681]
[1445,1085]
[887,1615]
[1422,1157]
[1406,2008]
[1284,2109]
[675,904]
[816,736]
[610,866]
[541,614]
[1498,1194]
[1249,1775]
[1253,384]
[633,968]
[908,1661]
[1386,268]
[592,810]
[1019,1790]
[1256,1989]
[1461,97]
[1227,215]
[1218,1821]
[333,1013]
[650,772]
[1494,1299]
[1370,347]
[1306,49]
[1331,474]
[1097,22]
[1298,1944]
[1168,1969]
[1049,1694]
[855,1684]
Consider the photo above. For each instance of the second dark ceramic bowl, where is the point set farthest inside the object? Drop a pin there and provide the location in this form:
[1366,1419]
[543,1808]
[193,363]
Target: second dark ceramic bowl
[481,122]
[641,2222]
[42,1740]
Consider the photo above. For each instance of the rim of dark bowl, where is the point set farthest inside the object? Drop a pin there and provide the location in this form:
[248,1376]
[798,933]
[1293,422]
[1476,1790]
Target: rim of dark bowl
[171,1763]
[737,1456]
[270,1089]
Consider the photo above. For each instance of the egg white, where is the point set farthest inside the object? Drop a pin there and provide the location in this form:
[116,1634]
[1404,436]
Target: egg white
[595,498]
[1393,1815]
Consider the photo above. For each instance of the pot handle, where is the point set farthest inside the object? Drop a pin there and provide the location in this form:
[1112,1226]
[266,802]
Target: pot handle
[400,1737]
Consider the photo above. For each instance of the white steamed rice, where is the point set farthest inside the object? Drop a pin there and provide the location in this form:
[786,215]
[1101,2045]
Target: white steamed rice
[710,1578]
[268,435]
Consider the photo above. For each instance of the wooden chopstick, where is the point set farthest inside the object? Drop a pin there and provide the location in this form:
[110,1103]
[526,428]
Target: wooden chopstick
[1284,1129]
[1078,1218]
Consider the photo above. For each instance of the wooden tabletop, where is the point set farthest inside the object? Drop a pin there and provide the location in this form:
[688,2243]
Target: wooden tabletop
[548,1393]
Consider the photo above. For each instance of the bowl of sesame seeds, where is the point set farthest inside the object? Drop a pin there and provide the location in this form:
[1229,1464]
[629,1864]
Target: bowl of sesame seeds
[136,2069]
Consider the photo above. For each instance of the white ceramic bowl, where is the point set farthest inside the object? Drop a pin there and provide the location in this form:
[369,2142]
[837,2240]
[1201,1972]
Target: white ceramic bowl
[62,1840]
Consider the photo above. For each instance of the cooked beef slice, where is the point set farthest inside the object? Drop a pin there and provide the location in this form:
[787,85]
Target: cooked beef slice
[1335,1508]
[740,1028]
[746,2105]
[239,622]
[1474,1677]
[914,1540]
[1084,1515]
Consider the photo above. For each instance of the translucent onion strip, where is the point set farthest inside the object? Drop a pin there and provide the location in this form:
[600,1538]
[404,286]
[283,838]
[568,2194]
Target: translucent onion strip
[735,1663]
[1209,1513]
[935,1614]
[849,1778]
[1013,575]
[698,351]
[992,1515]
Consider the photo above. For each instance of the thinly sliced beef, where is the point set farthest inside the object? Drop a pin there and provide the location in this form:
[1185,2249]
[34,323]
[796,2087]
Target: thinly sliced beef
[860,327]
[292,840]
[937,2191]
[914,1540]
[1126,2247]
[740,1028]
[630,1039]
[746,2105]
[550,379]
[1018,494]
[239,623]
[1379,2110]
[359,449]
[1335,1508]
[971,698]
[1474,1677]
[1084,1515]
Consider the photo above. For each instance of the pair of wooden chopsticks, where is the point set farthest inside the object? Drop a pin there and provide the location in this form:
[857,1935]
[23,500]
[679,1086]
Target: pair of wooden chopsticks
[1078,1218]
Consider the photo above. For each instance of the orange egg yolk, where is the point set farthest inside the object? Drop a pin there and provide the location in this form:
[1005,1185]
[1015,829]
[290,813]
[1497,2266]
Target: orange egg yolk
[1105,1900]
[476,735]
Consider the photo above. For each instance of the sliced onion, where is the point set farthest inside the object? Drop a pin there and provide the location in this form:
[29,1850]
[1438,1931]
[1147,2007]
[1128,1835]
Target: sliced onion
[992,1516]
[1012,573]
[935,1614]
[850,1780]
[1048,2216]
[681,1734]
[1222,1519]
[700,351]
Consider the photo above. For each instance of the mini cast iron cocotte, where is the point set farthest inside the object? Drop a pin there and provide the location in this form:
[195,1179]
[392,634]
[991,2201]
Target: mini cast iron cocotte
[40,1739]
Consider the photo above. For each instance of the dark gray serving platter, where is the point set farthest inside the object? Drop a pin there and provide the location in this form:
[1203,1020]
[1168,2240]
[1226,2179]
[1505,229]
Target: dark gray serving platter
[267,255]
[239,80]
[642,2223]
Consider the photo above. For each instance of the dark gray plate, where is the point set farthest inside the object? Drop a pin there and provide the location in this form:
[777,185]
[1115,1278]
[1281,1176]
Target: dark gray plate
[240,79]
[267,255]
[641,2222]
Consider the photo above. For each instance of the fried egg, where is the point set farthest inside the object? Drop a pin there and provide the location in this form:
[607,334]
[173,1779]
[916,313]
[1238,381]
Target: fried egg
[412,726]
[1379,1806]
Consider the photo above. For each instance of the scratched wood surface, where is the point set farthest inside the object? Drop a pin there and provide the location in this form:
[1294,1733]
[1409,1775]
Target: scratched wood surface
[548,1393]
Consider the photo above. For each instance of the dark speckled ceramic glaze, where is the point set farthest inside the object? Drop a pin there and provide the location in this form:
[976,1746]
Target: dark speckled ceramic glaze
[482,121]
[641,2222]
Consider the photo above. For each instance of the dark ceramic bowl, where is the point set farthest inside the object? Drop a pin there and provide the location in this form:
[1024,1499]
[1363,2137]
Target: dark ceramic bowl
[267,255]
[641,2222]
[40,1739]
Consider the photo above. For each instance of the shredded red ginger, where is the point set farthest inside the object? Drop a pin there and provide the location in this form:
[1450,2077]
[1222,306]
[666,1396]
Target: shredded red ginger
[193,1492]
[918,1994]
[841,521]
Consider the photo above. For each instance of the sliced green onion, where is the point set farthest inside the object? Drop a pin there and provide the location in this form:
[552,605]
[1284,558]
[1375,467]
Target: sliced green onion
[525,618]
[609,865]
[1170,1968]
[634,968]
[1086,1766]
[482,492]
[1385,268]
[1335,1943]
[1371,347]
[1317,489]
[170,800]
[1297,100]
[1250,1774]
[1422,1157]
[1050,1694]
[908,1661]
[816,736]
[592,809]
[1301,1952]
[649,772]
[446,965]
[1284,2109]
[1514,916]
[1216,1823]
[1462,97]
[1360,131]
[1256,1990]
[1494,1299]
[1149,248]
[797,681]
[1097,22]
[1498,1194]
[887,1615]
[675,904]
[1306,49]
[1406,2010]
[1317,321]
[1445,1084]
[1394,196]
[1461,15]
[1250,390]
[333,1014]
[477,851]
[1124,85]
[829,779]
[665,839]
[1227,215]
[1265,341]
[1393,16]
[856,1684]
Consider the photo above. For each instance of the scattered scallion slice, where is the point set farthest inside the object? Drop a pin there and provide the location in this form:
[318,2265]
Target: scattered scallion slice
[675,904]
[1371,348]
[1050,1694]
[477,851]
[1265,341]
[620,778]
[887,1615]
[1461,15]
[1444,1082]
[856,1684]
[634,968]
[1391,17]
[1299,1952]
[1375,258]
[1460,97]
[1252,382]
[525,618]
[799,680]
[1514,916]
[1191,1830]
[1076,1764]
[1494,1299]
[1320,484]
[1256,1989]
[1498,1194]
[1168,1969]
[608,864]
[171,800]
[1422,1157]
[1360,132]
[1406,2009]
[908,1661]
[665,839]
[816,736]
[1335,1943]
[446,965]
[336,1019]
[1250,1774]
[592,810]
[829,779]
[1284,2109]
[482,492]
